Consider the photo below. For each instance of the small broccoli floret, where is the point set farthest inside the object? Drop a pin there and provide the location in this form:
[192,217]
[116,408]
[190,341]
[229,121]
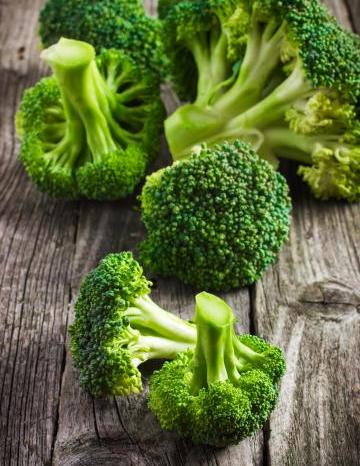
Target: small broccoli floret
[202,394]
[110,24]
[117,327]
[91,129]
[216,220]
[331,161]
[251,66]
[254,352]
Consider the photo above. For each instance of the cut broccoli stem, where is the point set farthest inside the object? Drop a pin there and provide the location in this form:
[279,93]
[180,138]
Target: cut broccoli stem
[81,85]
[145,314]
[214,358]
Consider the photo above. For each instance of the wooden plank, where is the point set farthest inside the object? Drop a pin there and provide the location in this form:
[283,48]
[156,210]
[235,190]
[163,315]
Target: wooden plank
[309,304]
[37,244]
[315,316]
[318,309]
[354,8]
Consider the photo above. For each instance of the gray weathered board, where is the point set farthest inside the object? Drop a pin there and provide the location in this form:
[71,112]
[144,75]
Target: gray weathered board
[308,303]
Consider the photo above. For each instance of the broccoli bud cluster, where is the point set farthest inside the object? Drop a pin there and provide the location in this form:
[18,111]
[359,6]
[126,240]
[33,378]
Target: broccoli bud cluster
[216,220]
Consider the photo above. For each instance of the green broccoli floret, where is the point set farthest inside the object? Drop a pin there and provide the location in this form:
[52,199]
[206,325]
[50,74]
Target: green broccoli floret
[216,220]
[253,66]
[117,327]
[93,127]
[110,24]
[202,394]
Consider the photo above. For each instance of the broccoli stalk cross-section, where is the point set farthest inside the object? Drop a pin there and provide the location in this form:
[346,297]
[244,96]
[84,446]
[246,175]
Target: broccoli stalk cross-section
[91,129]
[211,394]
[282,75]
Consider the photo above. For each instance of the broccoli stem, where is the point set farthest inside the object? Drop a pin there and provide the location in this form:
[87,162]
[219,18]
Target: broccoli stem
[82,86]
[214,358]
[66,152]
[246,357]
[262,57]
[210,57]
[273,107]
[147,316]
[192,125]
[291,145]
[152,347]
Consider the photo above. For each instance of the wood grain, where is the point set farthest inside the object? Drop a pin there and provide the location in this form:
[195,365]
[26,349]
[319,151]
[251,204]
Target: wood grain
[354,8]
[308,304]
[37,250]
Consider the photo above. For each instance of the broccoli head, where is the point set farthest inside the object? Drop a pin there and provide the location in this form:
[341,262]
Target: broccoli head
[93,127]
[118,24]
[117,327]
[216,220]
[282,75]
[207,394]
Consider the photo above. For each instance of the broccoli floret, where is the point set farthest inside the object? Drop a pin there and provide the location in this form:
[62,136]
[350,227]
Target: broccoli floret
[118,24]
[117,327]
[93,127]
[216,220]
[202,394]
[263,65]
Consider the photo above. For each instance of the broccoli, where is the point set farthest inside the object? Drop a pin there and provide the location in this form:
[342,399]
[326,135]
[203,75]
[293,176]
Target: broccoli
[117,327]
[208,394]
[93,127]
[119,24]
[216,220]
[281,75]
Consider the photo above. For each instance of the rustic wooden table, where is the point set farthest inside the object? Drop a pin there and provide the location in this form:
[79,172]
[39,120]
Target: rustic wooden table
[308,303]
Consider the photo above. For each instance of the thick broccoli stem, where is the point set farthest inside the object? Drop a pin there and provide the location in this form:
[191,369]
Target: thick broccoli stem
[262,57]
[82,89]
[273,107]
[148,317]
[214,358]
[190,125]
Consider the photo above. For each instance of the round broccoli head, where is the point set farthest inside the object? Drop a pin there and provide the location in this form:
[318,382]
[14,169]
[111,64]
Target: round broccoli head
[102,152]
[118,24]
[221,414]
[216,220]
[103,344]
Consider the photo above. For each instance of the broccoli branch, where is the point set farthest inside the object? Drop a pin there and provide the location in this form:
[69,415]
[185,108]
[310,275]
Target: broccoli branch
[262,58]
[150,318]
[191,125]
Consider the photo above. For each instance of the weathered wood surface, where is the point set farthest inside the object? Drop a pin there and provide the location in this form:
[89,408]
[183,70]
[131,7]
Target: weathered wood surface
[308,304]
